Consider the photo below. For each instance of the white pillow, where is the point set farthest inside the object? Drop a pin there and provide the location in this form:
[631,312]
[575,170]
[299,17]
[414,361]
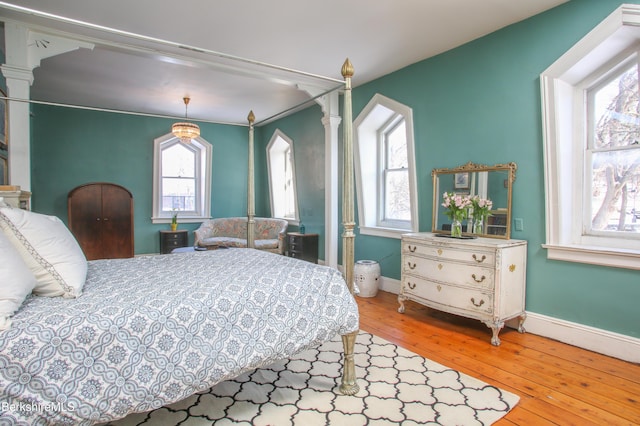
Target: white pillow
[49,250]
[16,281]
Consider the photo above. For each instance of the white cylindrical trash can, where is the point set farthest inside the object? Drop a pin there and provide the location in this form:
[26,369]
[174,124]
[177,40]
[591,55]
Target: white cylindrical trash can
[366,274]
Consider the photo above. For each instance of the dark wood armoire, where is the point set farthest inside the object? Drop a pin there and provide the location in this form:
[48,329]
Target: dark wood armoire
[101,219]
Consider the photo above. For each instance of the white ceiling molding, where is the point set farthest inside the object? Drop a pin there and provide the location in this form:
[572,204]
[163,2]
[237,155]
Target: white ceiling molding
[145,62]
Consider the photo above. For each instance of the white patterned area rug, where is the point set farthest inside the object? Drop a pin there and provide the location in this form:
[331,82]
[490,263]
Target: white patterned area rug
[396,387]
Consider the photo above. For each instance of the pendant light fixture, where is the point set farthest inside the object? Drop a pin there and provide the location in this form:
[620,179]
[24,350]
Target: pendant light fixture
[185,131]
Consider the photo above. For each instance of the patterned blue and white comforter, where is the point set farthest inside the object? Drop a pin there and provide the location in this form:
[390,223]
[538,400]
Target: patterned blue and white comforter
[152,330]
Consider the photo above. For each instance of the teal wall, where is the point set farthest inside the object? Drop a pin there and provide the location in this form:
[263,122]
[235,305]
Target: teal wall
[307,132]
[71,147]
[479,102]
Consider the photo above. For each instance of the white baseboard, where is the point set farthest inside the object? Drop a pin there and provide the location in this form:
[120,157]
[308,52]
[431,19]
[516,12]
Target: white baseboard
[390,285]
[594,339]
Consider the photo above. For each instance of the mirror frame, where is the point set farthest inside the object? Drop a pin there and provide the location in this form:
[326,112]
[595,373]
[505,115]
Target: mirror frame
[470,167]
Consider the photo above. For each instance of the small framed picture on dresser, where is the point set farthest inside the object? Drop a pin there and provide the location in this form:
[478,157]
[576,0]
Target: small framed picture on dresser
[461,181]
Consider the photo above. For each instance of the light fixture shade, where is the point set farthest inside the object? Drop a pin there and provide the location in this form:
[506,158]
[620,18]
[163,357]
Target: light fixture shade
[185,131]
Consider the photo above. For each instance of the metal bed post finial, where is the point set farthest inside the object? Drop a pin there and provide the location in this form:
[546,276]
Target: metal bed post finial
[347,70]
[250,186]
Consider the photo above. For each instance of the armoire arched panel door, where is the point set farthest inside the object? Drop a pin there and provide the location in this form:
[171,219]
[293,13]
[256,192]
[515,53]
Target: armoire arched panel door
[101,219]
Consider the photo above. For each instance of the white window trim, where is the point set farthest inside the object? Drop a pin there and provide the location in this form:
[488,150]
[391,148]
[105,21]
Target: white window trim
[366,140]
[383,222]
[277,135]
[205,194]
[562,99]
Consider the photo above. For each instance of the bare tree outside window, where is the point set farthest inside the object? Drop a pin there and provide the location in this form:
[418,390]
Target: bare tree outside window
[614,153]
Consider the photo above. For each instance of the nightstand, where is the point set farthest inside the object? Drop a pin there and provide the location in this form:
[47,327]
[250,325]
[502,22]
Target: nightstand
[303,246]
[170,240]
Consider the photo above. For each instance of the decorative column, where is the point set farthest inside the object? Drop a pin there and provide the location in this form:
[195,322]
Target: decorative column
[19,76]
[331,123]
[25,48]
[18,129]
[250,187]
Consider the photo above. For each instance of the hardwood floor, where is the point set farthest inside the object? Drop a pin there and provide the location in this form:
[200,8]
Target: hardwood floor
[558,384]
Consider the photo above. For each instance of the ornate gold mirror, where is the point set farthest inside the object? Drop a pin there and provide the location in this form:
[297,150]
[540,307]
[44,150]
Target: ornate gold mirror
[473,200]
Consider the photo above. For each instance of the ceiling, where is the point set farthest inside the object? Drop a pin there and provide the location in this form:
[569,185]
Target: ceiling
[148,54]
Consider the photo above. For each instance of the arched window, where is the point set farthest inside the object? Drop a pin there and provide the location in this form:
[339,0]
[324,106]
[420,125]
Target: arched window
[282,177]
[591,133]
[385,169]
[181,179]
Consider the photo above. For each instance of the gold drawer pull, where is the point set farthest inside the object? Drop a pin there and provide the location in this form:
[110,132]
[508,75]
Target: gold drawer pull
[411,286]
[439,252]
[439,266]
[439,287]
[412,249]
[476,279]
[481,260]
[512,267]
[411,266]
[477,305]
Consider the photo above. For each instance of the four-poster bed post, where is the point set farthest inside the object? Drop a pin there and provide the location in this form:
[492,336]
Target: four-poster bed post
[348,220]
[348,386]
[251,210]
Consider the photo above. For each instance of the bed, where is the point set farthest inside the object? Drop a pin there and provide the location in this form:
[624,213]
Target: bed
[136,340]
[106,338]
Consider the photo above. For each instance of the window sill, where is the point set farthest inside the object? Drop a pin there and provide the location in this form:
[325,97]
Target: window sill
[183,219]
[628,259]
[383,232]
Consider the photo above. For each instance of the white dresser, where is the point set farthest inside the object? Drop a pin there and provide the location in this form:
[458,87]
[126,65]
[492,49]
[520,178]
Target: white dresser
[482,278]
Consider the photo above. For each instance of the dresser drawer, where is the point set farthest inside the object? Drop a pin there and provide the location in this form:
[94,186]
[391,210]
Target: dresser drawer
[444,271]
[449,298]
[173,242]
[295,243]
[296,254]
[470,255]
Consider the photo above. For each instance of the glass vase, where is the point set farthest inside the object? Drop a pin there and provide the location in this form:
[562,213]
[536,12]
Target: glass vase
[456,228]
[478,225]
